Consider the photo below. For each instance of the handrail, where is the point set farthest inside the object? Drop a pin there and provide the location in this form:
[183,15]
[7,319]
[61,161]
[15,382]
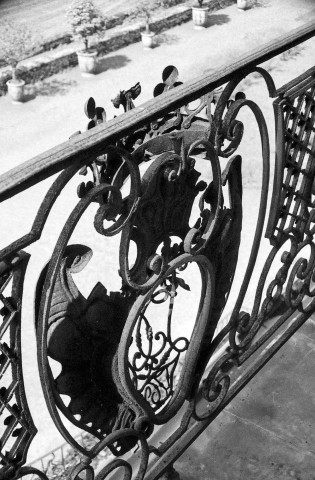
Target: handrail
[78,149]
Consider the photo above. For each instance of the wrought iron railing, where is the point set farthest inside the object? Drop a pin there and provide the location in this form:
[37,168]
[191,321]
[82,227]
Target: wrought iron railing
[137,388]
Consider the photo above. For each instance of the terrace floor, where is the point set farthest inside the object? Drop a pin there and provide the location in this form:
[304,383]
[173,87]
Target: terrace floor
[267,431]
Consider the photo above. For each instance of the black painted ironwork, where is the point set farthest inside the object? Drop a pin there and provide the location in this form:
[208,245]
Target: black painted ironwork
[18,428]
[123,373]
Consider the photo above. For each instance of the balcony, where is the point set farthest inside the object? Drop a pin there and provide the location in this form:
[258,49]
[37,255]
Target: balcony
[169,256]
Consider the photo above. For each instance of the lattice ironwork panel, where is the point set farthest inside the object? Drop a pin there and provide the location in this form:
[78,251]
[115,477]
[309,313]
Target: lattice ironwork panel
[294,188]
[17,428]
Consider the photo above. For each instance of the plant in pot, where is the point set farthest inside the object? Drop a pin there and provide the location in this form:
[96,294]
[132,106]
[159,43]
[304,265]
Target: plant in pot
[199,15]
[86,21]
[17,42]
[144,9]
[242,5]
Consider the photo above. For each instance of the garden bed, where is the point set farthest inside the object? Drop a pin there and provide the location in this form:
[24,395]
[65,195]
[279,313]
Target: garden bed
[64,55]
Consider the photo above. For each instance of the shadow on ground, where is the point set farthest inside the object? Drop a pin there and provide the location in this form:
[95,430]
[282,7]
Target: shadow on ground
[29,95]
[219,19]
[49,88]
[258,3]
[111,63]
[167,38]
[276,64]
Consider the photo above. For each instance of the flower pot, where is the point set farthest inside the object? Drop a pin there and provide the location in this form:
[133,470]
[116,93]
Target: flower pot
[87,63]
[200,17]
[147,40]
[16,90]
[242,4]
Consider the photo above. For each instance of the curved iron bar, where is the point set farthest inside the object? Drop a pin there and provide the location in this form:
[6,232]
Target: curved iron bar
[42,214]
[228,121]
[177,398]
[158,263]
[113,438]
[297,289]
[217,383]
[262,207]
[31,471]
[298,229]
[53,269]
[202,237]
[221,131]
[249,326]
[111,208]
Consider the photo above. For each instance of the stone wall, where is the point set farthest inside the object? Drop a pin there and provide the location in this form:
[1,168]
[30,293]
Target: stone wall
[50,62]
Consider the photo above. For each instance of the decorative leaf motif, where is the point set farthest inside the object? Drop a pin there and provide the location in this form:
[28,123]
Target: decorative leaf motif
[83,335]
[181,283]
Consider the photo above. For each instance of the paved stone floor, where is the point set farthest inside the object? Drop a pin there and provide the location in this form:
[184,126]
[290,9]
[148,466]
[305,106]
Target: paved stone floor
[54,110]
[268,430]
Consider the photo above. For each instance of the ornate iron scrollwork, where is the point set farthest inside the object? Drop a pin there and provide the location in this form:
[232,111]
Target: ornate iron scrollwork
[113,380]
[122,371]
[290,230]
[82,337]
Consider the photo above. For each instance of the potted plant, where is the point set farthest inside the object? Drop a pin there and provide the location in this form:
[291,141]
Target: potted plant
[16,43]
[86,21]
[199,15]
[242,4]
[147,36]
[144,9]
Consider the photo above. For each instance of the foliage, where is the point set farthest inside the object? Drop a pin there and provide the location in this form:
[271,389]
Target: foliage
[85,20]
[258,3]
[170,3]
[291,53]
[59,463]
[145,8]
[17,42]
[197,3]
